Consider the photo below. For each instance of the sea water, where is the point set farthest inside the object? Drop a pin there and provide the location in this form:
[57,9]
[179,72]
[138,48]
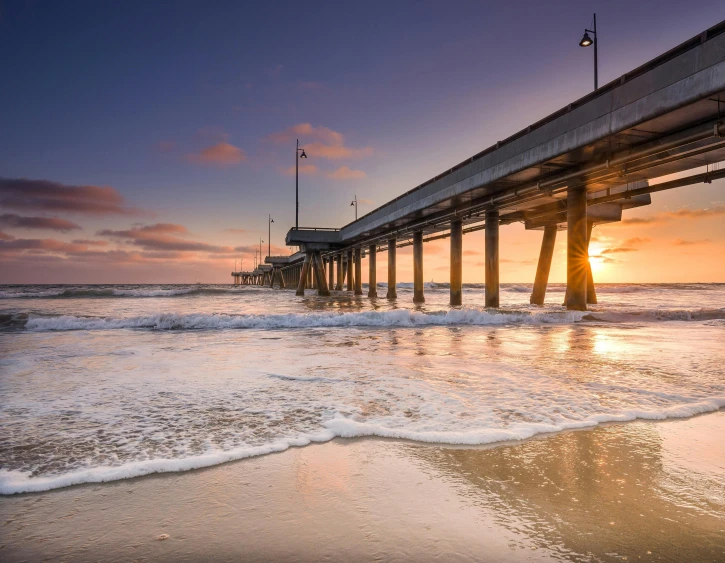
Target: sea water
[99,383]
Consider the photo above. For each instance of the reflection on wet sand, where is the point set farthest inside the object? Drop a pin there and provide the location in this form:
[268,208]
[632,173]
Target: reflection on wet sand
[611,492]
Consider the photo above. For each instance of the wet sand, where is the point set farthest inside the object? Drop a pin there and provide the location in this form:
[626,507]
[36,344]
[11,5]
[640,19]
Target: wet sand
[649,491]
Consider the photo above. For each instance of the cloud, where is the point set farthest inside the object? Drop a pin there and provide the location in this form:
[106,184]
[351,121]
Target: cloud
[336,152]
[91,242]
[274,71]
[6,236]
[346,173]
[164,237]
[235,231]
[326,143]
[682,242]
[305,169]
[472,253]
[51,223]
[40,244]
[665,216]
[221,154]
[43,195]
[307,131]
[365,201]
[629,245]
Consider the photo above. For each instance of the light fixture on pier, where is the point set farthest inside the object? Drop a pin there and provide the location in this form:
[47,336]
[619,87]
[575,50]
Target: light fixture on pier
[299,153]
[587,41]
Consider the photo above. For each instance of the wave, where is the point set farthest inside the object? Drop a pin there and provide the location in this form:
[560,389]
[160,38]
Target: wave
[113,292]
[16,482]
[396,318]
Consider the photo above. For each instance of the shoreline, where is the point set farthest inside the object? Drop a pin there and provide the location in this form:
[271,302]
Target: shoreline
[199,463]
[612,489]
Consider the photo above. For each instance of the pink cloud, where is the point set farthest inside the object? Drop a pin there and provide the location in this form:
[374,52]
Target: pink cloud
[305,170]
[346,173]
[163,237]
[221,154]
[50,223]
[43,195]
[325,143]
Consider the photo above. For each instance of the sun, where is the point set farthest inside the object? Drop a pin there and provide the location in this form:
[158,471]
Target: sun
[596,260]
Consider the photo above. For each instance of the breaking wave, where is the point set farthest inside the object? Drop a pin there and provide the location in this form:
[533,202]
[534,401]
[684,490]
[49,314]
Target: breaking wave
[397,318]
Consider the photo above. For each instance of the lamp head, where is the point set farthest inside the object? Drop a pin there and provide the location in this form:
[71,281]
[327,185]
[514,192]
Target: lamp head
[586,40]
[303,155]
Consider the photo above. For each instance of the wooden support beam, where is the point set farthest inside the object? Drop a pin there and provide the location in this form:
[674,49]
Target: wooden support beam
[576,249]
[544,266]
[392,293]
[491,259]
[372,271]
[303,276]
[418,296]
[456,293]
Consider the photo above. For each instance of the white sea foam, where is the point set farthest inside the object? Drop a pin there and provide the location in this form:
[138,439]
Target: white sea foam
[101,404]
[395,318]
[15,482]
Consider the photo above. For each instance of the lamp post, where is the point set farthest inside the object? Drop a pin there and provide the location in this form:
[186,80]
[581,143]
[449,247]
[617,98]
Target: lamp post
[354,204]
[269,236]
[260,250]
[586,42]
[299,153]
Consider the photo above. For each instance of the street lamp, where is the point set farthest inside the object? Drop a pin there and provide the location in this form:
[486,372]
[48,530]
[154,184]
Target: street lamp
[260,250]
[297,182]
[269,236]
[586,42]
[354,204]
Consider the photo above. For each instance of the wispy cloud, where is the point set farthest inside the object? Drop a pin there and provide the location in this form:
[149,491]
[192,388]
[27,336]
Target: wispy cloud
[629,245]
[322,142]
[664,216]
[305,169]
[221,154]
[49,223]
[346,173]
[46,196]
[685,242]
[235,231]
[274,71]
[163,236]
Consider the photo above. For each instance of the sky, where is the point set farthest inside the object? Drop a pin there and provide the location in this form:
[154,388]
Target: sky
[149,142]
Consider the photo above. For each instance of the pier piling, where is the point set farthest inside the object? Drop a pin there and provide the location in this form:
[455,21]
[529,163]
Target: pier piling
[322,289]
[491,259]
[576,249]
[456,262]
[392,293]
[544,266]
[338,259]
[349,271]
[358,271]
[418,296]
[303,276]
[591,292]
[372,271]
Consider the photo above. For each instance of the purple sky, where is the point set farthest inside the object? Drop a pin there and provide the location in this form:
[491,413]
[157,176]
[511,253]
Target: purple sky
[148,141]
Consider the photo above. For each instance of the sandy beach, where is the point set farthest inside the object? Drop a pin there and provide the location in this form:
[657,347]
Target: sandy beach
[651,491]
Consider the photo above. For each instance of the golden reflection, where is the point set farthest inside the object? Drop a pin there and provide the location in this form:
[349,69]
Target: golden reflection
[590,494]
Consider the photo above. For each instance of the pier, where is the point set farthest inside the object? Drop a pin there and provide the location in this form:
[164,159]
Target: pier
[582,166]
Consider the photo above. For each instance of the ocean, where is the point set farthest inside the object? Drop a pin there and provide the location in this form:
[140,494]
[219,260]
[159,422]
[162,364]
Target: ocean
[100,383]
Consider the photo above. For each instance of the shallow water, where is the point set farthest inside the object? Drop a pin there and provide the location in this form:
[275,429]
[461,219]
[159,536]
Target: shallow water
[106,382]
